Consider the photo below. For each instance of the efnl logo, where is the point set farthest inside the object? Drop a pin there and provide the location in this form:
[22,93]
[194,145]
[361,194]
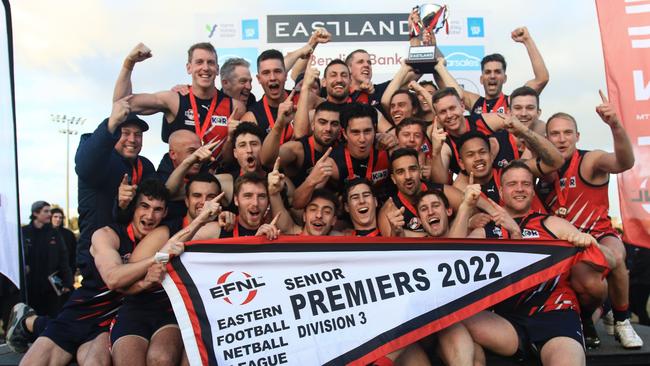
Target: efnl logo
[475,27]
[250,29]
[238,287]
[463,58]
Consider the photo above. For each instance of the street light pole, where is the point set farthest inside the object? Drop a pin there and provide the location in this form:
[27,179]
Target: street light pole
[75,122]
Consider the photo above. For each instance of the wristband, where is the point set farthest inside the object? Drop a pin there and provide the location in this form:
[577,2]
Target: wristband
[160,257]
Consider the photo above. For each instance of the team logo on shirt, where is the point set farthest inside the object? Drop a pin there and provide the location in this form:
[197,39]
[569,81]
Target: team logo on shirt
[414,223]
[530,234]
[497,232]
[215,120]
[572,182]
[379,175]
[239,287]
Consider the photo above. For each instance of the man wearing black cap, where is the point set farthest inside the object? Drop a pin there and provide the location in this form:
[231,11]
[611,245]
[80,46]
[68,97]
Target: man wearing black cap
[45,255]
[102,161]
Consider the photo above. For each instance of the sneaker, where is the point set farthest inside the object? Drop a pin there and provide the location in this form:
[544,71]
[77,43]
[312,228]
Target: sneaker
[17,335]
[592,340]
[608,322]
[626,335]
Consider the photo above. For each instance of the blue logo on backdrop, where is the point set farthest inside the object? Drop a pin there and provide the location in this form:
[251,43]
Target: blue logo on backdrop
[463,58]
[247,53]
[475,27]
[250,29]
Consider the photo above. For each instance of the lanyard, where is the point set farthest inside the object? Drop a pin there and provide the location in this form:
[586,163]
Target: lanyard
[269,117]
[348,163]
[310,140]
[501,102]
[200,130]
[136,174]
[130,233]
[562,195]
[186,221]
[407,203]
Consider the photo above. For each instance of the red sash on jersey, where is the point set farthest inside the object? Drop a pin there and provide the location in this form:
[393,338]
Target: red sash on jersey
[288,131]
[369,168]
[198,128]
[311,142]
[407,203]
[501,102]
[562,195]
[186,222]
[131,234]
[136,174]
[362,97]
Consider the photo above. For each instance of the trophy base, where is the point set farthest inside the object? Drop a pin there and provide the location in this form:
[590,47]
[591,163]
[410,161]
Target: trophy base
[422,59]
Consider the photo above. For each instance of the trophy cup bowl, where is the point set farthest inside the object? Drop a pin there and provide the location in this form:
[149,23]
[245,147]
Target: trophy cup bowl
[433,17]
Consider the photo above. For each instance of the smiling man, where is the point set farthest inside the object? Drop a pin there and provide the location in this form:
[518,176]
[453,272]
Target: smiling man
[203,110]
[361,204]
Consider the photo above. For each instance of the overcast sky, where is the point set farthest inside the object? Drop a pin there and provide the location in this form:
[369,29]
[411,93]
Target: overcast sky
[68,53]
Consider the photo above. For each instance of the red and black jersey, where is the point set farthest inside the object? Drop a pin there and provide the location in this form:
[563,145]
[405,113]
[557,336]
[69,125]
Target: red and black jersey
[266,115]
[367,233]
[508,150]
[411,219]
[586,204]
[500,104]
[374,167]
[491,191]
[311,156]
[554,294]
[238,231]
[94,300]
[214,128]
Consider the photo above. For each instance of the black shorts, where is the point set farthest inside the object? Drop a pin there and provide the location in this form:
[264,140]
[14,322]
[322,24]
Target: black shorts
[141,319]
[72,328]
[535,330]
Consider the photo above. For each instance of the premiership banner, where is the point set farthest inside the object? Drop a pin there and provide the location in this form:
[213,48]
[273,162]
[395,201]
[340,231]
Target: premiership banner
[308,301]
[625,33]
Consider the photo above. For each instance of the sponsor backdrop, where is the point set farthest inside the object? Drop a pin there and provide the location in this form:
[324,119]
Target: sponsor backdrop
[625,30]
[383,35]
[322,303]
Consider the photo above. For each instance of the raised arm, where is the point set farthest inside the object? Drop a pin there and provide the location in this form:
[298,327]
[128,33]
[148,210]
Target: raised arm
[622,158]
[276,184]
[301,125]
[165,101]
[272,141]
[540,71]
[548,157]
[175,183]
[317,178]
[399,80]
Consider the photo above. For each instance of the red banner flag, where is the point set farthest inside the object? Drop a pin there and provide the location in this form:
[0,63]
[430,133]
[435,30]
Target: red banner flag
[625,34]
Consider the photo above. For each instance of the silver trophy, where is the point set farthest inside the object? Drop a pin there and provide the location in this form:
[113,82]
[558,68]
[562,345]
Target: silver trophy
[433,18]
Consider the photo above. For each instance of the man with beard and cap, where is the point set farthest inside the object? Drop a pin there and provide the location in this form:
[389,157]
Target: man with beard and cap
[103,160]
[493,76]
[81,329]
[541,322]
[361,204]
[251,197]
[204,110]
[578,191]
[319,215]
[298,158]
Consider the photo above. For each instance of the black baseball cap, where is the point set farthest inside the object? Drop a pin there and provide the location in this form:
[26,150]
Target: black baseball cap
[133,119]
